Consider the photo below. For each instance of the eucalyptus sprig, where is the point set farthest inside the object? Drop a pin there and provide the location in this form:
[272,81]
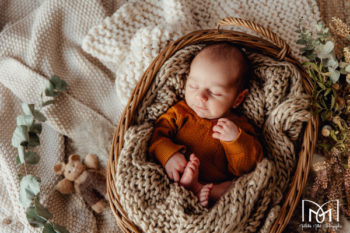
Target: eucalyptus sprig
[331,86]
[25,138]
[328,66]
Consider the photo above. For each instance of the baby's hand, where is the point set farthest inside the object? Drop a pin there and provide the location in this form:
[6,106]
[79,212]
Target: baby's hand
[175,165]
[225,130]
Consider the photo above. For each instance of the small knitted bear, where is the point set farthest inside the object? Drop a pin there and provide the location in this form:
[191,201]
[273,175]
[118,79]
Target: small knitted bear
[84,178]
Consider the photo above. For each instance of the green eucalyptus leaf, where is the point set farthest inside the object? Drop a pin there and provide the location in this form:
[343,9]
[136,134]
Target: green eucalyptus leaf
[41,210]
[328,90]
[48,228]
[321,85]
[347,68]
[33,140]
[31,157]
[48,102]
[20,136]
[309,47]
[334,75]
[314,67]
[59,228]
[318,93]
[336,107]
[318,26]
[334,136]
[332,62]
[39,116]
[33,218]
[36,128]
[323,103]
[26,120]
[332,101]
[29,188]
[21,154]
[49,86]
[28,109]
[318,105]
[59,84]
[301,41]
[324,50]
[50,89]
[18,160]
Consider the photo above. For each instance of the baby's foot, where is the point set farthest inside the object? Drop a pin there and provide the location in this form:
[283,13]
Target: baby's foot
[204,193]
[189,178]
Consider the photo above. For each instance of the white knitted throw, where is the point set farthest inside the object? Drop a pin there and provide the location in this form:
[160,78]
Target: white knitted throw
[41,38]
[131,38]
[278,105]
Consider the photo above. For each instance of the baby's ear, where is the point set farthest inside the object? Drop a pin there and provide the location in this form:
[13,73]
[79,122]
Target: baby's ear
[59,168]
[240,97]
[74,157]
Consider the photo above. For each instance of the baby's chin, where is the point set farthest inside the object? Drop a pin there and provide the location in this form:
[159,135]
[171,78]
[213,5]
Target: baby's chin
[205,115]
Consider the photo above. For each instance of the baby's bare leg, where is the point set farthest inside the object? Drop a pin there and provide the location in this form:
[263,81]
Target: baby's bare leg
[218,190]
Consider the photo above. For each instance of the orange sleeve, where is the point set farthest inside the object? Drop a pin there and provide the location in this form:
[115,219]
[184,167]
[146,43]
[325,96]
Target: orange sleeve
[162,146]
[243,153]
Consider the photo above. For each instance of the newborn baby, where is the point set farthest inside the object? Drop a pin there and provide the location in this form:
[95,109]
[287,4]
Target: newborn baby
[202,141]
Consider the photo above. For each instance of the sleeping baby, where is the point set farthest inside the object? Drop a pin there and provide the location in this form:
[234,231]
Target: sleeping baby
[203,142]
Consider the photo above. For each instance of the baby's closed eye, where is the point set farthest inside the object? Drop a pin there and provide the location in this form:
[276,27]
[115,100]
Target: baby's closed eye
[215,93]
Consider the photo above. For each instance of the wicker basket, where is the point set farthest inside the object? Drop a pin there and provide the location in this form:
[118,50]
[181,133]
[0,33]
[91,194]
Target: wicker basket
[276,48]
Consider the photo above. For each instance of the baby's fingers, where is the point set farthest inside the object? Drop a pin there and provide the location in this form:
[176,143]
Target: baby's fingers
[216,135]
[223,120]
[217,128]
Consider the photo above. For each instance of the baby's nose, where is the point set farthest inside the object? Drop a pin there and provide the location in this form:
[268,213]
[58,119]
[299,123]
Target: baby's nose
[203,97]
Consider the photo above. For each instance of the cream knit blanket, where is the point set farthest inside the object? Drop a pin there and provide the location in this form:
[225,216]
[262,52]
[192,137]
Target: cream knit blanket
[131,38]
[40,38]
[276,102]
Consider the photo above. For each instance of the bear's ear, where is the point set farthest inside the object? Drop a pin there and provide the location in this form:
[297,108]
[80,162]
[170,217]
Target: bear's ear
[59,168]
[74,157]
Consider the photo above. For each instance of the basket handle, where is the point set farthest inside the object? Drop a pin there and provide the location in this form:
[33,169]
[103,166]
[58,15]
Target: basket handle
[267,33]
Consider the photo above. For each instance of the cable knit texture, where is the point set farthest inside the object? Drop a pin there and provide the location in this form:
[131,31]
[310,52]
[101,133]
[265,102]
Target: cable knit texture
[253,201]
[131,38]
[39,38]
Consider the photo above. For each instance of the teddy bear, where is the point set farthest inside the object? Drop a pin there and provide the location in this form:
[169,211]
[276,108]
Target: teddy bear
[84,178]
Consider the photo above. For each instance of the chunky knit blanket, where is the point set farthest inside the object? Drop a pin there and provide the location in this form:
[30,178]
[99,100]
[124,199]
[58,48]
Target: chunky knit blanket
[276,103]
[41,38]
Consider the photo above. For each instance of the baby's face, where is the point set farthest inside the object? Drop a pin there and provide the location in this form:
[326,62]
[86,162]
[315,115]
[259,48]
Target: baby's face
[210,89]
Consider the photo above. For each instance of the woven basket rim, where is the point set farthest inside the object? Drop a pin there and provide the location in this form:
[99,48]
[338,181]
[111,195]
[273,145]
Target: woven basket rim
[267,47]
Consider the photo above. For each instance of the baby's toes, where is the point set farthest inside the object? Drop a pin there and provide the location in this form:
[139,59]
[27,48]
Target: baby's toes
[196,162]
[204,194]
[192,165]
[204,203]
[193,157]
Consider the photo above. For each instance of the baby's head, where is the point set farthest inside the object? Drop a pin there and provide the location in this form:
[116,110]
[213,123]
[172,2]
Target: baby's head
[217,81]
